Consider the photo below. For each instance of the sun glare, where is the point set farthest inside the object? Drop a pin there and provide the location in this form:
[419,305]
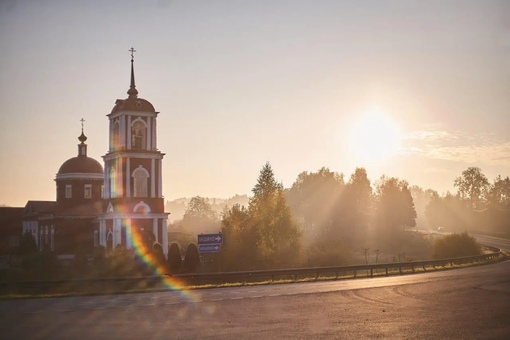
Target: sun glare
[374,138]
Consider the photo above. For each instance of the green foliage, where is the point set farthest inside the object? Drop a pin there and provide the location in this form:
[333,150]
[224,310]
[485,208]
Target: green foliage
[174,258]
[352,211]
[395,206]
[200,217]
[264,235]
[239,250]
[191,258]
[477,206]
[499,193]
[327,252]
[158,256]
[448,212]
[277,235]
[313,198]
[472,186]
[455,245]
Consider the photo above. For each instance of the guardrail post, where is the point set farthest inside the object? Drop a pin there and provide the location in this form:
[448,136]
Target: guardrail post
[386,271]
[371,272]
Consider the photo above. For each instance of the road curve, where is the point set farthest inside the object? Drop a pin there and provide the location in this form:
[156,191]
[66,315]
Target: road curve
[503,244]
[469,303]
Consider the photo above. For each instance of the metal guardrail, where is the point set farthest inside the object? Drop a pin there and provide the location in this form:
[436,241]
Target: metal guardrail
[336,272]
[294,274]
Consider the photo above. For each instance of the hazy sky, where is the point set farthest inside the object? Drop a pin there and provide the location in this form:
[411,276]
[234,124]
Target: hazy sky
[301,84]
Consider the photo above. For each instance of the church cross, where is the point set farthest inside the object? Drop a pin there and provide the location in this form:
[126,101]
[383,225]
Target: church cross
[82,121]
[132,50]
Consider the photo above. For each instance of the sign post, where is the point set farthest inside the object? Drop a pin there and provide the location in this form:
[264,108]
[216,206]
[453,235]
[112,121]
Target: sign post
[216,239]
[211,243]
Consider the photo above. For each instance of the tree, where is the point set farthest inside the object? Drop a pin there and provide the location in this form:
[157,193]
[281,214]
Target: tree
[264,235]
[395,206]
[174,258]
[239,250]
[448,212]
[191,258]
[277,235]
[472,186]
[499,192]
[200,217]
[354,206]
[421,199]
[313,198]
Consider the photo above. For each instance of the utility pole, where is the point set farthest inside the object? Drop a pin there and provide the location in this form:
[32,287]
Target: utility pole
[366,254]
[377,251]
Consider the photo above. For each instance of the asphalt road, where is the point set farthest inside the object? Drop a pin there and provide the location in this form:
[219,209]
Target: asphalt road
[469,303]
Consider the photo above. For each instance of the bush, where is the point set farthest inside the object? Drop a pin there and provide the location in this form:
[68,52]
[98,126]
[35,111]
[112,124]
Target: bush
[174,258]
[327,252]
[191,258]
[455,245]
[159,256]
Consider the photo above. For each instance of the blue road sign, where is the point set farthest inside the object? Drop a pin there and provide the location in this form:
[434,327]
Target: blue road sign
[209,248]
[210,239]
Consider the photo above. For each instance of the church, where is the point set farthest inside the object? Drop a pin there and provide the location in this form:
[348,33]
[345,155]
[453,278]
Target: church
[120,204]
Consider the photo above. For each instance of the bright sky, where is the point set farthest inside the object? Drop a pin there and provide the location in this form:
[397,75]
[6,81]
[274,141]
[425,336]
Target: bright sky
[301,84]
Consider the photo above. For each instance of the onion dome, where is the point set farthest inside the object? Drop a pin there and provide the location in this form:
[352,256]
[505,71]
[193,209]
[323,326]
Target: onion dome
[82,164]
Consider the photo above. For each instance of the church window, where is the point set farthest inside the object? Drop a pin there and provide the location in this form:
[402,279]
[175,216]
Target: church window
[116,136]
[113,183]
[138,135]
[88,191]
[141,179]
[69,191]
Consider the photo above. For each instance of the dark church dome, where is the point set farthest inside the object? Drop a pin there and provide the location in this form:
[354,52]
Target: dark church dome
[133,104]
[81,164]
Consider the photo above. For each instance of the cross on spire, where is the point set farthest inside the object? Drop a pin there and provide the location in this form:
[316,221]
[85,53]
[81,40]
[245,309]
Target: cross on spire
[82,138]
[132,88]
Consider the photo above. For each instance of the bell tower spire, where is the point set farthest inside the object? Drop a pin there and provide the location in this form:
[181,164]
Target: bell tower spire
[133,92]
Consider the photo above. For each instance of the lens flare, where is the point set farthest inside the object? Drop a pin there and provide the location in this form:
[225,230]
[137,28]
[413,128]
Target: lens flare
[144,254]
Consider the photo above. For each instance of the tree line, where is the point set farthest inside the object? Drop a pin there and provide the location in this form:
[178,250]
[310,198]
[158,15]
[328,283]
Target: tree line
[478,205]
[324,219]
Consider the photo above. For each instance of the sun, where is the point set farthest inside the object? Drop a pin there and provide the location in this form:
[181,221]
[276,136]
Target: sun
[374,138]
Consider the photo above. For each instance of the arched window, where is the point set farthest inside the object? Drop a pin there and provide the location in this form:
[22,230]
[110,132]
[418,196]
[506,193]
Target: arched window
[138,135]
[142,207]
[140,179]
[116,136]
[113,182]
